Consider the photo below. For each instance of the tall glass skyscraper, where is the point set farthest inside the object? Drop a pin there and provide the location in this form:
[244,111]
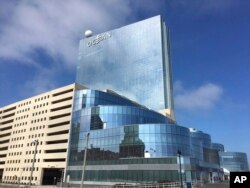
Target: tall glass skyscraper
[133,60]
[129,141]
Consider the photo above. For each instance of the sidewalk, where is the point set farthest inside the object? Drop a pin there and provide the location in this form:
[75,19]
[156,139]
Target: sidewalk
[224,184]
[2,185]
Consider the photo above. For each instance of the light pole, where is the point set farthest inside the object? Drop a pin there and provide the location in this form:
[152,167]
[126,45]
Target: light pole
[54,183]
[33,162]
[19,180]
[179,155]
[84,160]
[61,184]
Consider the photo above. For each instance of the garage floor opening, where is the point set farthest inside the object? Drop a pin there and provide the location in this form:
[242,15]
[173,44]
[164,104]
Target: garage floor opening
[51,176]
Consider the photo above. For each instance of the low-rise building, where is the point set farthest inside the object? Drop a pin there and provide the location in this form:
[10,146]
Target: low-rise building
[44,118]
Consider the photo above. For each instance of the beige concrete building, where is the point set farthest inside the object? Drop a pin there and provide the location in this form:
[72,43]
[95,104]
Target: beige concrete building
[45,118]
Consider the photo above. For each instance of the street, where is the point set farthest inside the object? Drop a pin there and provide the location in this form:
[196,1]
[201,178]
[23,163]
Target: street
[224,184]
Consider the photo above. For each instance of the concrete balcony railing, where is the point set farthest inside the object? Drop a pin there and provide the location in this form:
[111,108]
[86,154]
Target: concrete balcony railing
[7,120]
[3,152]
[7,137]
[57,137]
[58,112]
[54,155]
[4,145]
[59,120]
[55,146]
[60,104]
[59,128]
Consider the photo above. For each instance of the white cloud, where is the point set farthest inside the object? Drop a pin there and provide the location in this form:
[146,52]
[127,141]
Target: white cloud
[178,87]
[201,98]
[42,82]
[56,27]
[53,27]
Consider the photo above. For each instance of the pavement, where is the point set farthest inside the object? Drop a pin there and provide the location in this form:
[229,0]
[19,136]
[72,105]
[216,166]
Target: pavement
[2,185]
[224,184]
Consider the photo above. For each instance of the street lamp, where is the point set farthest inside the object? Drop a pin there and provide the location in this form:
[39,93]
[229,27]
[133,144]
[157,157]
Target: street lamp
[33,162]
[179,155]
[54,183]
[19,179]
[61,184]
[84,160]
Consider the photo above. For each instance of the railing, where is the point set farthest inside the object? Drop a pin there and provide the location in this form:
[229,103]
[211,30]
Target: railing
[195,184]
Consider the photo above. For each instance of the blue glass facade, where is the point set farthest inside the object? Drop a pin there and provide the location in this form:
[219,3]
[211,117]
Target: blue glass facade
[234,161]
[123,132]
[218,146]
[116,125]
[133,60]
[128,141]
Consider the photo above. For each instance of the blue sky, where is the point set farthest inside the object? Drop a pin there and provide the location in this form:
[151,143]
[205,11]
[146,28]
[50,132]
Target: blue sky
[210,44]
